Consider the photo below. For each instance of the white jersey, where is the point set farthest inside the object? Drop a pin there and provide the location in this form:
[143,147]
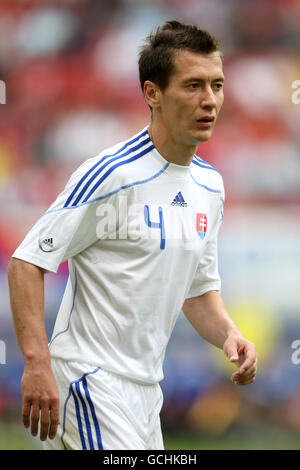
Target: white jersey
[140,234]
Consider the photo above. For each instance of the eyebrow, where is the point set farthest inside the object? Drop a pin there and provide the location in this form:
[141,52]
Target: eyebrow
[197,79]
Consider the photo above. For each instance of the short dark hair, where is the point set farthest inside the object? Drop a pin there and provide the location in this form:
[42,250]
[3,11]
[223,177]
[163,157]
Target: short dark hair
[156,57]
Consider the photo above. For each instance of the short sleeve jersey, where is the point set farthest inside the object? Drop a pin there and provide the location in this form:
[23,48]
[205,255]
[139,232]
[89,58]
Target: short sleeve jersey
[140,236]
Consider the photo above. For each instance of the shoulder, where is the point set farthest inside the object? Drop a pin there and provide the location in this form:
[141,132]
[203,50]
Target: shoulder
[109,171]
[205,174]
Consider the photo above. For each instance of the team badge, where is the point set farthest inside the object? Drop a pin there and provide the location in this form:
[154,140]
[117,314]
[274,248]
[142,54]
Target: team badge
[201,225]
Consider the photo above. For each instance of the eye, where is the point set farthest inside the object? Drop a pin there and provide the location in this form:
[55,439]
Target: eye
[193,86]
[218,86]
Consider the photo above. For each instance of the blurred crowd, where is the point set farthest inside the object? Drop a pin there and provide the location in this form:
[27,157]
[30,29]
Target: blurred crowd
[72,89]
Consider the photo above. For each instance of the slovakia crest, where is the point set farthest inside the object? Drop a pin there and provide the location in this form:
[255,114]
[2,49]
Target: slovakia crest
[201,225]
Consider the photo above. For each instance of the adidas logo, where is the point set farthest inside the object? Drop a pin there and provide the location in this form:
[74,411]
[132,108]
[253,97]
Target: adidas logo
[179,201]
[48,241]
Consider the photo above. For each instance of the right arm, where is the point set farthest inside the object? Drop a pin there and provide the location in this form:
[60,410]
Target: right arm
[72,232]
[39,389]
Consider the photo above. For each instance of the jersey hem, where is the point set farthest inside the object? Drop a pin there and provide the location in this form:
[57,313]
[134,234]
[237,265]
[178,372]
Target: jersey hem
[106,369]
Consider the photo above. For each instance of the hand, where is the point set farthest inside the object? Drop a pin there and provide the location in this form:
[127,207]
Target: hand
[242,352]
[40,400]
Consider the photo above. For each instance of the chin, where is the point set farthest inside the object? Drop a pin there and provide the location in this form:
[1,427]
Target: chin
[205,139]
[202,137]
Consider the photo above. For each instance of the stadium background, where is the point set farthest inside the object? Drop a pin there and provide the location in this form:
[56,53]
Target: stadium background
[70,70]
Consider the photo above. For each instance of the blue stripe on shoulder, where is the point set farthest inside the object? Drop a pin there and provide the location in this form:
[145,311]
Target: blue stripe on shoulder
[99,198]
[94,176]
[135,157]
[200,160]
[218,191]
[207,166]
[99,163]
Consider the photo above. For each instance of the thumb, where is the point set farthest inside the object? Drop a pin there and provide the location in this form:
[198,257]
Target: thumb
[230,349]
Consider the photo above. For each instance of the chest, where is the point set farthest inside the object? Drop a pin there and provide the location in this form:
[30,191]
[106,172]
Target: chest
[159,217]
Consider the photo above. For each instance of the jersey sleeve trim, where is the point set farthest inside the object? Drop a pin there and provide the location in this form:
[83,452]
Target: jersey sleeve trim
[202,289]
[36,260]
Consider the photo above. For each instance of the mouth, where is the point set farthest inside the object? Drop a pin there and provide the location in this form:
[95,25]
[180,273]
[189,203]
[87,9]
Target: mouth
[206,121]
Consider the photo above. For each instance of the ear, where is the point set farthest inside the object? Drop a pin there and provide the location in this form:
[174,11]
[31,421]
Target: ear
[152,94]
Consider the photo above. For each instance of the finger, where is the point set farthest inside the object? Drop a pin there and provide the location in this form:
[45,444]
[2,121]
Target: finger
[35,416]
[244,380]
[233,358]
[54,419]
[231,352]
[247,373]
[249,361]
[44,420]
[26,413]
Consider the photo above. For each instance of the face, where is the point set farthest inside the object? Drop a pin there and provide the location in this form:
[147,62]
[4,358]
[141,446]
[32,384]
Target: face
[190,104]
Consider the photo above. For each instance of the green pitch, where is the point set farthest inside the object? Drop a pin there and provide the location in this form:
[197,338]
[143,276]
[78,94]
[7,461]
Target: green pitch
[14,437]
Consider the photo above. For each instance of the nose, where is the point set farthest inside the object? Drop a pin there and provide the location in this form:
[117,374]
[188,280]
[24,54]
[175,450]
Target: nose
[208,98]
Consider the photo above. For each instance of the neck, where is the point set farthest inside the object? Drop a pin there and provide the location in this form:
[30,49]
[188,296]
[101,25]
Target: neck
[173,151]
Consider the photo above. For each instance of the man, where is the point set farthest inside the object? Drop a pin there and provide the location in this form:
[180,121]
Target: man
[139,226]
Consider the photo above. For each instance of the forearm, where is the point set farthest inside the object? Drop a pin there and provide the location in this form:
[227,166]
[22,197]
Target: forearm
[39,388]
[208,315]
[26,285]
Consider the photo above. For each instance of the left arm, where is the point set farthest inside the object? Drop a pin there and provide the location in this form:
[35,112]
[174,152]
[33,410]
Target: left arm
[209,317]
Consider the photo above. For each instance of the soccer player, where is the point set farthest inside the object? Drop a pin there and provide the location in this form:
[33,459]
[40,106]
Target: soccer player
[138,225]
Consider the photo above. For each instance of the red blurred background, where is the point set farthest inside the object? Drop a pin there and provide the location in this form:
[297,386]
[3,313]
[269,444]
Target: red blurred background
[72,89]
